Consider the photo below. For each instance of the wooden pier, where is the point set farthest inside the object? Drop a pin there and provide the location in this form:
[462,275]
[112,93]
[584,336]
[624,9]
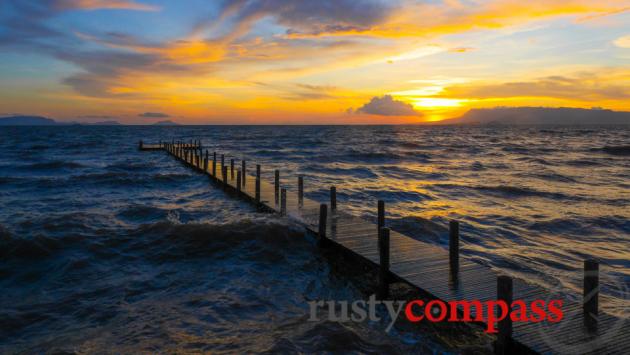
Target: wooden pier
[441,273]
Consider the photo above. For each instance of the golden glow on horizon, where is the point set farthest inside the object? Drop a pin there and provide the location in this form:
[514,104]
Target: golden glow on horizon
[429,102]
[442,58]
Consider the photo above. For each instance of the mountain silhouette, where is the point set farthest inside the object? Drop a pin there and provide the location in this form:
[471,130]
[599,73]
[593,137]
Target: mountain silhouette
[542,115]
[26,121]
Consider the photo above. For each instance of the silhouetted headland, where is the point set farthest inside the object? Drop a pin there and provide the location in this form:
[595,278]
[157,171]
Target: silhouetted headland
[542,115]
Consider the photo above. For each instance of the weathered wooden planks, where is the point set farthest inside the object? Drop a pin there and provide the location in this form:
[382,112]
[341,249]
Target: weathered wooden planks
[426,266]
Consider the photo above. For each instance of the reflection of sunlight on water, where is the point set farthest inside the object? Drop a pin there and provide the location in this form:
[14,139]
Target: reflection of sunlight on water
[532,200]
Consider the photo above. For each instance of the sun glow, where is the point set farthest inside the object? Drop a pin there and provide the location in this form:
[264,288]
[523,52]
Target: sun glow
[431,102]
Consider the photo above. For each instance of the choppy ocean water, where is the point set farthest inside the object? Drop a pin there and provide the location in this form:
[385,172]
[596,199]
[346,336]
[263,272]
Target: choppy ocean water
[103,246]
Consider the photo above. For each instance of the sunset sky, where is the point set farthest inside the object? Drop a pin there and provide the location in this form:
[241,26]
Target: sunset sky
[289,61]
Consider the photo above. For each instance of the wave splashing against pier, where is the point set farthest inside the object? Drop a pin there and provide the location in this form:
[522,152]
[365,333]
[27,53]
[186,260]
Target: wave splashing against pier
[102,246]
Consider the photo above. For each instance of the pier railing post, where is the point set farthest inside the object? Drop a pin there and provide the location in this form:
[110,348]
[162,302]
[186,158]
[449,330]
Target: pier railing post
[225,178]
[222,161]
[283,202]
[300,191]
[333,199]
[504,293]
[214,164]
[276,183]
[381,215]
[258,183]
[453,247]
[383,270]
[231,168]
[244,170]
[205,162]
[140,145]
[590,305]
[238,181]
[323,218]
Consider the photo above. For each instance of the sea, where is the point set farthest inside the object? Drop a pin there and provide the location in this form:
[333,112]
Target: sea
[104,248]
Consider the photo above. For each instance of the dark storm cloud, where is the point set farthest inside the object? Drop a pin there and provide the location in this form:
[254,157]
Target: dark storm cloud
[387,106]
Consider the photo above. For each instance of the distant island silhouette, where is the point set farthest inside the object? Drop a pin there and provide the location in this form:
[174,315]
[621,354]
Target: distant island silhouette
[541,116]
[44,121]
[26,121]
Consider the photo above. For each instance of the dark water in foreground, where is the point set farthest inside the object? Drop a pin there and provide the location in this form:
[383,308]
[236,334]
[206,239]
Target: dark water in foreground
[106,247]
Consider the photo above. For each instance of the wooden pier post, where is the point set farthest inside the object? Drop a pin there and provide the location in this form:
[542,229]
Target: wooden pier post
[222,161]
[333,199]
[300,191]
[590,302]
[140,145]
[225,178]
[283,202]
[244,170]
[205,162]
[381,215]
[214,164]
[277,184]
[383,270]
[453,247]
[504,293]
[323,217]
[257,182]
[238,181]
[231,168]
